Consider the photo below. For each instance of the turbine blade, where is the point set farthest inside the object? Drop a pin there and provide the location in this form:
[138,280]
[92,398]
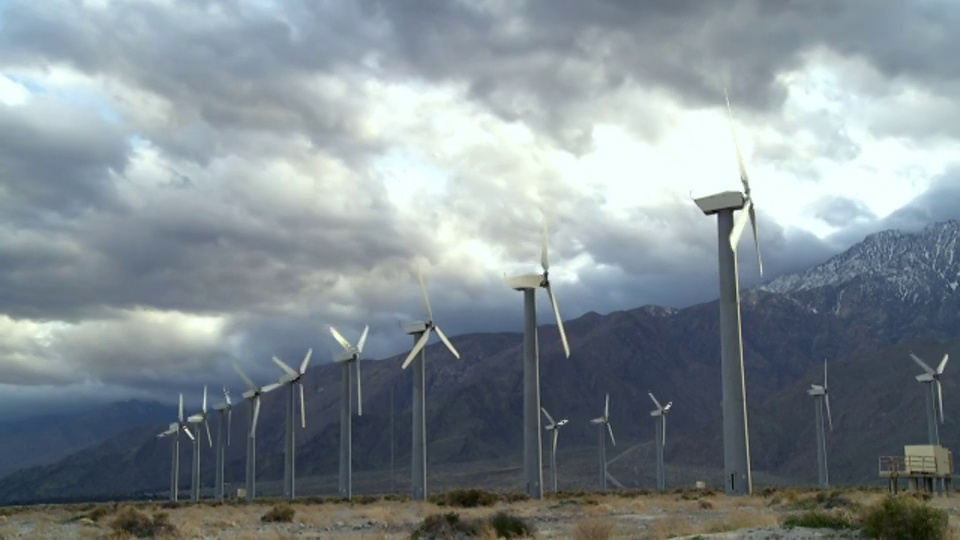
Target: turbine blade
[340,339]
[423,294]
[940,399]
[226,395]
[756,234]
[610,430]
[739,225]
[655,402]
[943,363]
[550,418]
[189,434]
[204,406]
[443,338]
[417,347]
[736,144]
[303,409]
[270,387]
[922,364]
[306,361]
[556,312]
[606,407]
[824,373]
[544,249]
[229,424]
[283,365]
[243,376]
[363,338]
[206,426]
[663,430]
[180,413]
[359,391]
[256,417]
[556,433]
[826,400]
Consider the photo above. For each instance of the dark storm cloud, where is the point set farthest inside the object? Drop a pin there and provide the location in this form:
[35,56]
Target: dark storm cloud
[841,211]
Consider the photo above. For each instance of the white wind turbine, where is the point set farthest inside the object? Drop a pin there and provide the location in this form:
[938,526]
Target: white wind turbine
[931,377]
[253,395]
[532,443]
[554,428]
[660,429]
[600,422]
[349,355]
[421,334]
[224,421]
[736,439]
[199,418]
[820,399]
[293,378]
[174,431]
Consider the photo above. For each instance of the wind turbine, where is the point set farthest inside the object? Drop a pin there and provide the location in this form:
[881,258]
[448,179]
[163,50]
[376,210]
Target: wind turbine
[660,426]
[224,421]
[253,395]
[199,418]
[174,431]
[601,422]
[821,398]
[532,443]
[736,439]
[931,377]
[349,355]
[554,428]
[295,380]
[420,331]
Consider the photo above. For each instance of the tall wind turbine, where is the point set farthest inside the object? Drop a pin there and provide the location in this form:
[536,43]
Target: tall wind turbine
[349,355]
[224,421]
[821,398]
[294,379]
[532,443]
[174,431]
[253,395]
[931,377]
[420,331]
[736,439]
[199,418]
[660,417]
[602,421]
[554,428]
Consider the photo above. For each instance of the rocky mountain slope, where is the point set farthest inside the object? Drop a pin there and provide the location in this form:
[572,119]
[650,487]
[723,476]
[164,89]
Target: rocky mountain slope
[863,309]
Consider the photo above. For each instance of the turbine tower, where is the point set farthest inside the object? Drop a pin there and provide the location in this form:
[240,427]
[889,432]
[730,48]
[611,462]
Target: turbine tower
[532,443]
[554,428]
[224,420]
[253,395]
[199,418]
[349,355]
[601,422]
[294,379]
[174,431]
[931,377]
[821,398]
[660,426]
[420,331]
[736,439]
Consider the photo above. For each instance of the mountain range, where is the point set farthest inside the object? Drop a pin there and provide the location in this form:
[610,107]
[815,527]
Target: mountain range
[863,310]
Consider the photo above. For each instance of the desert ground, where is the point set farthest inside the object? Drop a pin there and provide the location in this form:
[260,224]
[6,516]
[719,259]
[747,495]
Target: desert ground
[588,516]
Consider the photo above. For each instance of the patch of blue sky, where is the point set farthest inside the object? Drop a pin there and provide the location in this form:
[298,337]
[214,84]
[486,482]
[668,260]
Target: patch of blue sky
[410,176]
[98,103]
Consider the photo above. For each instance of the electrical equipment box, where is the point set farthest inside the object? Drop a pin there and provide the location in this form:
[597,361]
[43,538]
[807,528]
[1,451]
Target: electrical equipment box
[927,459]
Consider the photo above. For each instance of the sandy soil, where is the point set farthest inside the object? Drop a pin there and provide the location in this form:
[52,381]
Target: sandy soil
[585,516]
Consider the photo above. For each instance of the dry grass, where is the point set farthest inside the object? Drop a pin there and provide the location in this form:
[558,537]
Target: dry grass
[739,519]
[594,529]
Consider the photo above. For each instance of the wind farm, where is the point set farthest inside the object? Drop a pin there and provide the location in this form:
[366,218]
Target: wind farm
[458,265]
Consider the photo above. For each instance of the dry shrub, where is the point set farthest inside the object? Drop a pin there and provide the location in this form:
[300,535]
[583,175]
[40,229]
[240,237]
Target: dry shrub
[130,521]
[594,529]
[281,513]
[905,517]
[741,520]
[670,526]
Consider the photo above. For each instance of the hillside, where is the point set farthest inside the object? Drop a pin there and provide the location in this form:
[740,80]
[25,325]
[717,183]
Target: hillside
[863,309]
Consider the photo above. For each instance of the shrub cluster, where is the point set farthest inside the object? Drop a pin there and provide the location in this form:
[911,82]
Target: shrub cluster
[449,525]
[905,517]
[819,519]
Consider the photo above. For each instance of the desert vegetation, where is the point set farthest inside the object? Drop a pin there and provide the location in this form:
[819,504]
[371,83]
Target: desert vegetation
[488,515]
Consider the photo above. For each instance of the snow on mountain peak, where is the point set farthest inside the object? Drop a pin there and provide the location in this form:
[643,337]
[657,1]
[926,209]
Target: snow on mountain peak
[909,262]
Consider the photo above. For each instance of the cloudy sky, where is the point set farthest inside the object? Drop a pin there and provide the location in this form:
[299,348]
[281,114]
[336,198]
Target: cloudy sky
[186,183]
